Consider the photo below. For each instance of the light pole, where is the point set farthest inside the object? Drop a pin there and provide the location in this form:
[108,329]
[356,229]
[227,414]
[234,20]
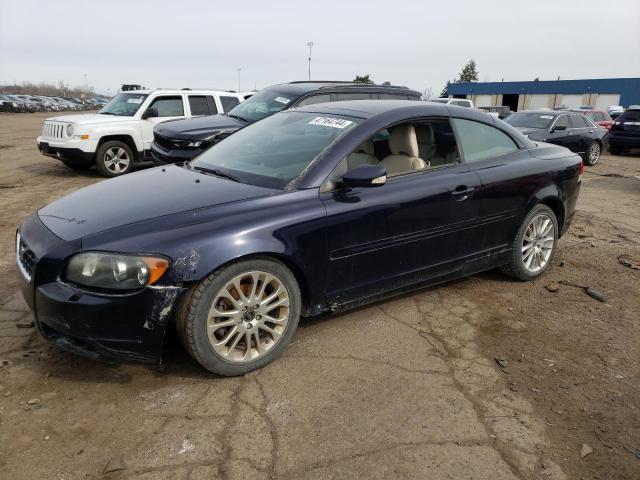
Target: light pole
[86,85]
[309,44]
[238,70]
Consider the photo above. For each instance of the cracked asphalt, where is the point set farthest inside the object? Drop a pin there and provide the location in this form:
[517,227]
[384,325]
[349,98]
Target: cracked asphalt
[406,388]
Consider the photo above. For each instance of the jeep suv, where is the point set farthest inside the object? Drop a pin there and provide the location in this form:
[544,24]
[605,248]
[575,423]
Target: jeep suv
[182,140]
[118,137]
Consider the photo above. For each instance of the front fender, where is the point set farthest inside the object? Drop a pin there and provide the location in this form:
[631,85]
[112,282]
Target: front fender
[132,131]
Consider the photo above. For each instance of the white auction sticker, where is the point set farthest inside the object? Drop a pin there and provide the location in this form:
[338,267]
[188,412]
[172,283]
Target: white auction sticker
[548,117]
[282,100]
[134,100]
[330,122]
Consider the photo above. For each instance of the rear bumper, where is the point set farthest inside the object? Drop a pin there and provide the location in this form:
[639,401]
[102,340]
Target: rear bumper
[162,156]
[624,139]
[122,328]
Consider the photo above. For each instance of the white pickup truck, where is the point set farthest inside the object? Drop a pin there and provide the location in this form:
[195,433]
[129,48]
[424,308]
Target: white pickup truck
[118,137]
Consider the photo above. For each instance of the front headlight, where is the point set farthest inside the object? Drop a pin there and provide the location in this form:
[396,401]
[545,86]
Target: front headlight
[110,271]
[69,129]
[15,105]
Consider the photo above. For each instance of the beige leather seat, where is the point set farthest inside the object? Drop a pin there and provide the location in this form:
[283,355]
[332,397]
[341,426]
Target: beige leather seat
[404,156]
[426,142]
[362,155]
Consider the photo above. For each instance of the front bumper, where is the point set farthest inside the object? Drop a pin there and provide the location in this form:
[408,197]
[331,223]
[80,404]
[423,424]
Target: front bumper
[122,328]
[76,153]
[164,156]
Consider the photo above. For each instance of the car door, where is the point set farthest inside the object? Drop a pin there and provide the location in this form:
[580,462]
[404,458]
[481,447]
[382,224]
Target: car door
[496,158]
[168,107]
[580,133]
[416,226]
[561,133]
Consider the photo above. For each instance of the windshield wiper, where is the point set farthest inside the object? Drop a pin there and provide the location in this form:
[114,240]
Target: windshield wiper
[217,173]
[107,113]
[238,117]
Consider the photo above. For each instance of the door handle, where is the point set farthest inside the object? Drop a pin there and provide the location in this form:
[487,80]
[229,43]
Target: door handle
[462,192]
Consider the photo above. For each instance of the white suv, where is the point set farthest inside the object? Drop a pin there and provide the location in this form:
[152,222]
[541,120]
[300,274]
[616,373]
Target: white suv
[118,136]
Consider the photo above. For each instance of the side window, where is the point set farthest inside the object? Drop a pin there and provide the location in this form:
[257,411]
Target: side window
[402,149]
[201,105]
[563,121]
[341,97]
[312,100]
[577,121]
[228,102]
[391,96]
[597,117]
[480,141]
[461,103]
[168,106]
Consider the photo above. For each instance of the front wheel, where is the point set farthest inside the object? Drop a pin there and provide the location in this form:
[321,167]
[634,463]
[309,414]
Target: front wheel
[534,245]
[241,317]
[114,158]
[593,154]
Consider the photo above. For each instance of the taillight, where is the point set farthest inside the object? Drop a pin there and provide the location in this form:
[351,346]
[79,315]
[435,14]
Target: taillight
[581,168]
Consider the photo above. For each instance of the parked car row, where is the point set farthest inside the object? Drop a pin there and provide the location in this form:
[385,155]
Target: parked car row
[169,126]
[21,103]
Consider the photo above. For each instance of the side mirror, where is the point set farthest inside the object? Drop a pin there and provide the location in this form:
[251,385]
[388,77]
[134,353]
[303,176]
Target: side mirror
[558,128]
[150,113]
[365,176]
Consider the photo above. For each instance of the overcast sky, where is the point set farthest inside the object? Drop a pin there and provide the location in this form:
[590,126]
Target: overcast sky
[421,44]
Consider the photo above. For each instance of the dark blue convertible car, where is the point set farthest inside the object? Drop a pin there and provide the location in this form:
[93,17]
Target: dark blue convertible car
[312,210]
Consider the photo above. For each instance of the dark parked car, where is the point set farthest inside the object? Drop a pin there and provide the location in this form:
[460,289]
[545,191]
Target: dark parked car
[625,131]
[180,140]
[567,129]
[315,209]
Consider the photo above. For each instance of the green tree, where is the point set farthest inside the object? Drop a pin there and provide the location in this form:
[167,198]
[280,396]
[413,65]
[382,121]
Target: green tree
[362,79]
[445,90]
[469,73]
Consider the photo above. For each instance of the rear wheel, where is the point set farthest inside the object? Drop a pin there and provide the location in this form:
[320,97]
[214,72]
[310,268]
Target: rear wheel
[593,154]
[241,317]
[534,245]
[114,158]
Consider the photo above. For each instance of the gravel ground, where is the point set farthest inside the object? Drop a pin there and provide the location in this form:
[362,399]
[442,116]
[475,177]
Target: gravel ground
[407,388]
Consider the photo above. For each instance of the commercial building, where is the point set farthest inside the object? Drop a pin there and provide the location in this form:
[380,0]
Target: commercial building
[598,93]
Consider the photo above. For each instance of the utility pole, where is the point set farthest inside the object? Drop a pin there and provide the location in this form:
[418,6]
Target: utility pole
[86,85]
[309,44]
[238,70]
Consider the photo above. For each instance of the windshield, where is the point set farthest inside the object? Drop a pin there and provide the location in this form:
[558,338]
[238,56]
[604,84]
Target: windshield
[261,105]
[529,120]
[125,104]
[276,150]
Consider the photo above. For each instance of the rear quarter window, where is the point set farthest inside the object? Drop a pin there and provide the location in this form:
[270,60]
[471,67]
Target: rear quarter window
[480,141]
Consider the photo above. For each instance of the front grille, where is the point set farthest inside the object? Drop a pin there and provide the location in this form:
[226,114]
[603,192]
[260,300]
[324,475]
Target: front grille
[163,142]
[53,130]
[25,258]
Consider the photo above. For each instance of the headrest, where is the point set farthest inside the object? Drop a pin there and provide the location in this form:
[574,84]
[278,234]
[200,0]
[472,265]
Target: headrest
[366,147]
[424,134]
[402,141]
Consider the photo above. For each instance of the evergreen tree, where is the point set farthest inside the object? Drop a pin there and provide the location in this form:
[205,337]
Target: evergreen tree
[445,90]
[469,73]
[362,79]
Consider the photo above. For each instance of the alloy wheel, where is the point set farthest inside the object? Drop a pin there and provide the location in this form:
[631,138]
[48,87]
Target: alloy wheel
[116,160]
[594,153]
[538,243]
[248,316]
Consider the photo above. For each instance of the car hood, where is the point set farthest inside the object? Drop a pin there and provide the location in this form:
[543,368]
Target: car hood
[141,196]
[197,128]
[89,118]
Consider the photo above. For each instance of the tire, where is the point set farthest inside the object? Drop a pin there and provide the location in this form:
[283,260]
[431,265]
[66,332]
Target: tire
[242,333]
[114,158]
[76,166]
[592,155]
[517,267]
